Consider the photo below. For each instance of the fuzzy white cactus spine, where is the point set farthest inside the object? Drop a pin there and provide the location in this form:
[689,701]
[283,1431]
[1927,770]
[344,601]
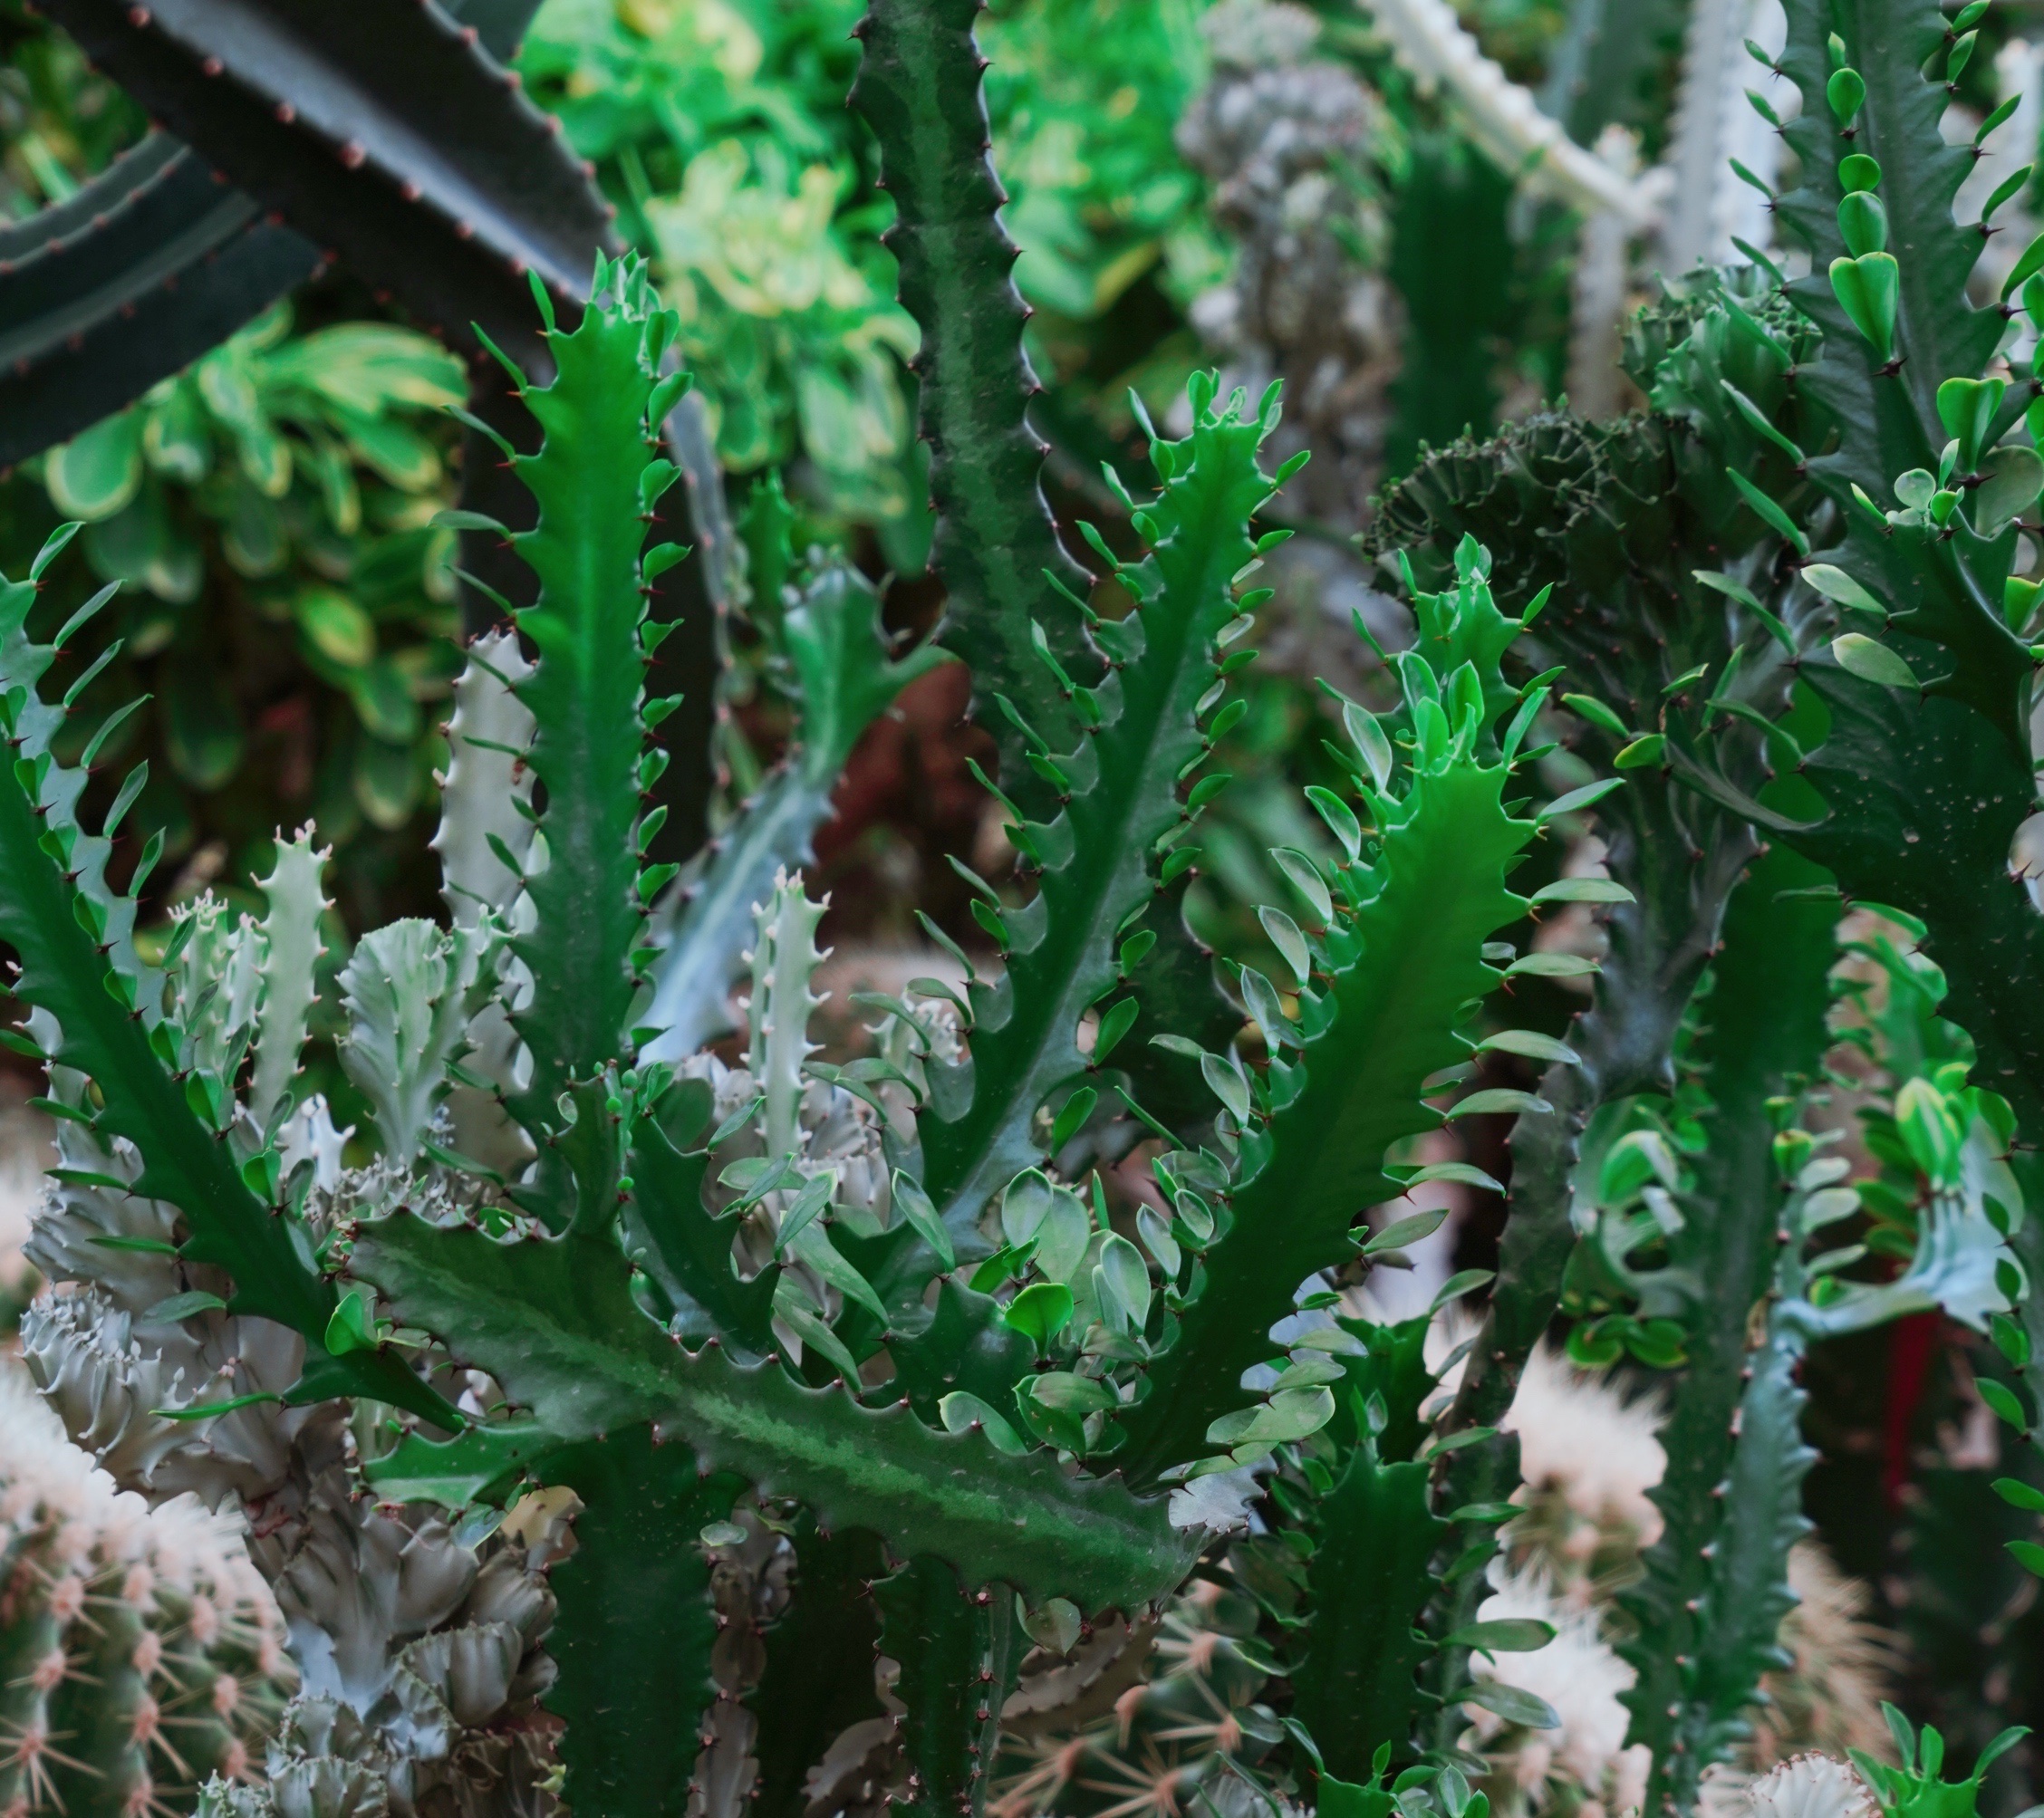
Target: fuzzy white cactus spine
[140,1650]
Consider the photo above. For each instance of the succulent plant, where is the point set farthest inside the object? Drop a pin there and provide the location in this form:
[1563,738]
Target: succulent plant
[864,1382]
[141,1652]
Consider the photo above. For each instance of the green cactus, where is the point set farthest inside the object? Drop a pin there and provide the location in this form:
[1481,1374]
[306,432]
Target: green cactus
[142,1652]
[692,1255]
[898,1441]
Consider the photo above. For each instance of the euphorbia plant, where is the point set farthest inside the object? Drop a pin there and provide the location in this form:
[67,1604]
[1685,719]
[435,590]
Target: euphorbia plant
[832,1361]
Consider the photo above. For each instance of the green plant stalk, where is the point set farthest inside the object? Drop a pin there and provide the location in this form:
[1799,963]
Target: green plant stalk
[594,479]
[1142,734]
[636,1588]
[1401,977]
[1356,1684]
[919,89]
[1766,1033]
[959,1655]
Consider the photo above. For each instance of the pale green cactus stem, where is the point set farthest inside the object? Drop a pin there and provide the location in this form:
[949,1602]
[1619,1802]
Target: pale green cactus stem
[784,959]
[412,990]
[291,950]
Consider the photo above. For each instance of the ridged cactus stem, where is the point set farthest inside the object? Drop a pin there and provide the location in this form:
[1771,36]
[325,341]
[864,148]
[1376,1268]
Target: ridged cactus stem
[139,1651]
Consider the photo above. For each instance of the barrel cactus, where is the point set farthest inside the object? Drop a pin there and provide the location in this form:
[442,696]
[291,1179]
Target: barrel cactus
[141,1652]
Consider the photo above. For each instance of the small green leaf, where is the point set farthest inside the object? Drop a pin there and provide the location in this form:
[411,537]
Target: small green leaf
[1500,1098]
[1405,1231]
[1846,93]
[2028,1556]
[1551,966]
[1766,509]
[2020,1495]
[1305,878]
[1583,890]
[1070,1393]
[2003,1399]
[806,1208]
[1513,1705]
[1587,707]
[1463,1173]
[1072,1118]
[1370,740]
[962,1411]
[1871,661]
[350,1328]
[1642,752]
[1867,289]
[1842,589]
[1039,1312]
[1577,800]
[1505,1635]
[1227,1084]
[1462,1282]
[913,1204]
[1290,943]
[1529,1042]
[1126,1279]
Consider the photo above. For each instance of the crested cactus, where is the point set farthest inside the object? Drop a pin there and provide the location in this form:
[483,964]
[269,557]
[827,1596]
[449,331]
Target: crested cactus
[141,1652]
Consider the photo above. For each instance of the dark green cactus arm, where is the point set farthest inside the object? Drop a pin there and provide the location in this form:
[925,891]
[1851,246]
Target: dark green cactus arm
[554,1321]
[635,1590]
[1120,791]
[834,640]
[1747,1592]
[1617,517]
[593,477]
[337,119]
[1401,972]
[959,1655]
[919,89]
[819,1676]
[70,932]
[500,24]
[1356,1686]
[1924,792]
[130,281]
[1888,421]
[1766,1031]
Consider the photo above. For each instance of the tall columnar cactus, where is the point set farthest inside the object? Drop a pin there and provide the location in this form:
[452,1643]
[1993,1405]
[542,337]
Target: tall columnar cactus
[140,1652]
